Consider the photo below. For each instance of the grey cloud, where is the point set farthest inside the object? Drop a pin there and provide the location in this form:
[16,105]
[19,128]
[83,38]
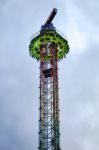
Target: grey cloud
[80,104]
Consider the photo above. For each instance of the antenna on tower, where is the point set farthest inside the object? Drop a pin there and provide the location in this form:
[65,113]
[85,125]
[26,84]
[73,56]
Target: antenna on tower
[51,16]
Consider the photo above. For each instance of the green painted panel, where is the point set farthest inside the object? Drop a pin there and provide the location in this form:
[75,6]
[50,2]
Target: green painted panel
[48,36]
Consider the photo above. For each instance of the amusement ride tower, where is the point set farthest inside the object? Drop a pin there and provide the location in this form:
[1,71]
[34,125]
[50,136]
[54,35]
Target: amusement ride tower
[49,47]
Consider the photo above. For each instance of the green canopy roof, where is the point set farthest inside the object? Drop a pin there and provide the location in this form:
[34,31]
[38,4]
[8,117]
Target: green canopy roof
[48,36]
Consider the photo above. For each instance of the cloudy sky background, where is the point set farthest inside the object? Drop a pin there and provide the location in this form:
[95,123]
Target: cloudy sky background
[78,74]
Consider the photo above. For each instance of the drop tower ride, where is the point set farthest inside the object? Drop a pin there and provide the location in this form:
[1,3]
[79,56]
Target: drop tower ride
[49,47]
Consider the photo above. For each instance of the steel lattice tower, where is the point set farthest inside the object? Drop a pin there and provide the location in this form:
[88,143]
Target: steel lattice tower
[49,47]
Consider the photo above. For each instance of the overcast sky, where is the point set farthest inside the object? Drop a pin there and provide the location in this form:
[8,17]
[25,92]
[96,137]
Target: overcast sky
[78,73]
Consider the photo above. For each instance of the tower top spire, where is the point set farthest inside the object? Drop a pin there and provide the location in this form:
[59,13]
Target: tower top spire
[51,16]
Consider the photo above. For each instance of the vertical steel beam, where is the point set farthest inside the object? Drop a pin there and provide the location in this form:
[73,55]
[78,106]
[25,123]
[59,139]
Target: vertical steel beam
[49,107]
